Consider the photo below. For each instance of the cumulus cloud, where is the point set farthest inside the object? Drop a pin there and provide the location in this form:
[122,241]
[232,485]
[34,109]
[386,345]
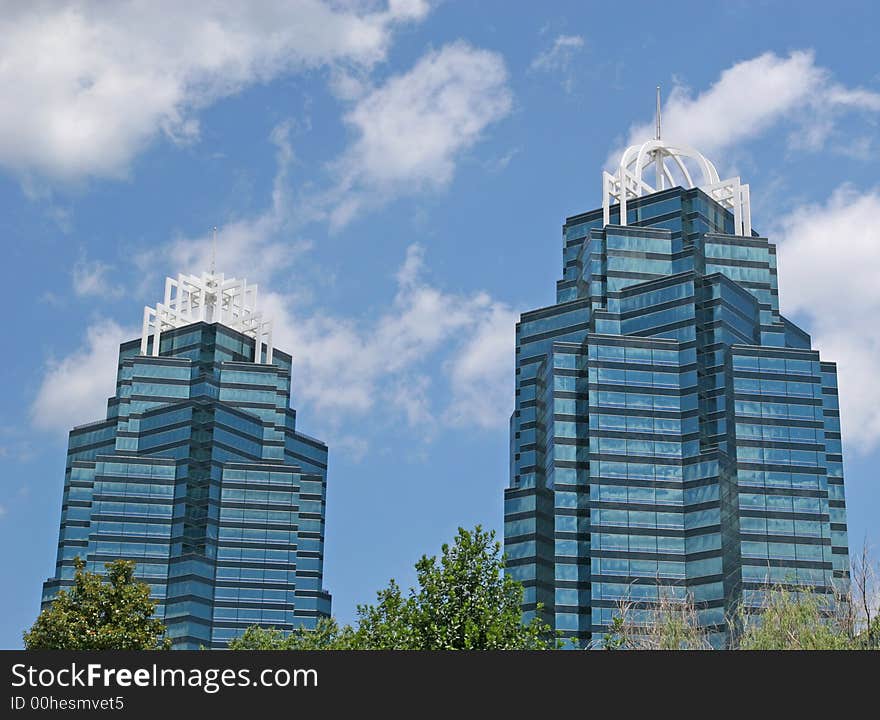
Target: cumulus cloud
[89,84]
[257,246]
[345,365]
[750,97]
[558,59]
[829,276]
[74,390]
[410,131]
[348,366]
[481,371]
[91,277]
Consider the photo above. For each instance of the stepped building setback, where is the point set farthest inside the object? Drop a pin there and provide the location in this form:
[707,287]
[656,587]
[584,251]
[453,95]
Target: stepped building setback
[673,434]
[199,474]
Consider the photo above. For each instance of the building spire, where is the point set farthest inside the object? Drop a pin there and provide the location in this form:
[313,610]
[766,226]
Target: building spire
[658,113]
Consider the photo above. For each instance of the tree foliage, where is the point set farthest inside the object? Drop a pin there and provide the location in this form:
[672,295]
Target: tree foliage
[328,635]
[671,624]
[846,619]
[463,601]
[798,620]
[98,615]
[864,600]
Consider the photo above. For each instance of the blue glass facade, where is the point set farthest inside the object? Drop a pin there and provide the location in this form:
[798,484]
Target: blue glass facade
[672,433]
[199,475]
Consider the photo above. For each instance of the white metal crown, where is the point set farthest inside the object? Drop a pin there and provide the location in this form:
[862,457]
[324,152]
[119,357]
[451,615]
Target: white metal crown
[208,298]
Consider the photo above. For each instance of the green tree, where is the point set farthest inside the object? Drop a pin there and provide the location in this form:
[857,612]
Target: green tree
[800,620]
[464,601]
[390,624]
[618,635]
[869,638]
[328,635]
[98,615]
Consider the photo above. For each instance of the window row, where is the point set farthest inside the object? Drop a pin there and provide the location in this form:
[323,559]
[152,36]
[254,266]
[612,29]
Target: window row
[619,446]
[782,503]
[779,456]
[645,592]
[784,526]
[652,519]
[754,386]
[802,576]
[132,509]
[641,355]
[787,366]
[646,378]
[786,551]
[794,411]
[780,433]
[644,401]
[777,478]
[658,495]
[644,424]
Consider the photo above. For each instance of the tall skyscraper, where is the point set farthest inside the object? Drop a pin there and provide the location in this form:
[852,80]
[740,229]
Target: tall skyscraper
[673,434]
[199,474]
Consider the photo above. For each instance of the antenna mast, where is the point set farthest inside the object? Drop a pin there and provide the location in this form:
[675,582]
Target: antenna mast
[658,113]
[214,250]
[660,176]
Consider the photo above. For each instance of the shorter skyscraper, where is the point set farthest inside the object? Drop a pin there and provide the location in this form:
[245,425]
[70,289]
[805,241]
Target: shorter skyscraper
[199,475]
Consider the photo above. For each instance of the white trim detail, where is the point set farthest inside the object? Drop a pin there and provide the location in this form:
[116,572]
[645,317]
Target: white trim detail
[209,298]
[629,180]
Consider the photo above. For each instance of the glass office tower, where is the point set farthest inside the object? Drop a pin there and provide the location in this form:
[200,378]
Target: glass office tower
[199,474]
[673,434]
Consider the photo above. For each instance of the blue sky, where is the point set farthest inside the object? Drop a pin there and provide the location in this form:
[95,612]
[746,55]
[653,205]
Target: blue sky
[395,178]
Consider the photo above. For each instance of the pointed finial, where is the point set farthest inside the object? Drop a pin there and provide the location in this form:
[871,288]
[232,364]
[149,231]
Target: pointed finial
[658,113]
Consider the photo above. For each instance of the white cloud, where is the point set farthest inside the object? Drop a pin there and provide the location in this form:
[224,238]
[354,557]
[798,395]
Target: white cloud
[481,372]
[88,85]
[346,366]
[750,97]
[255,247]
[411,395]
[829,276]
[91,277]
[75,389]
[558,59]
[411,130]
[558,55]
[355,448]
[499,164]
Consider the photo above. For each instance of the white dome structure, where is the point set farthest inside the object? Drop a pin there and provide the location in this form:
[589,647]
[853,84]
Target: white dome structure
[671,168]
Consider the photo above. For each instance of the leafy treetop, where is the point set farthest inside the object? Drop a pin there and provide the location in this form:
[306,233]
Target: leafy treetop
[464,601]
[98,615]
